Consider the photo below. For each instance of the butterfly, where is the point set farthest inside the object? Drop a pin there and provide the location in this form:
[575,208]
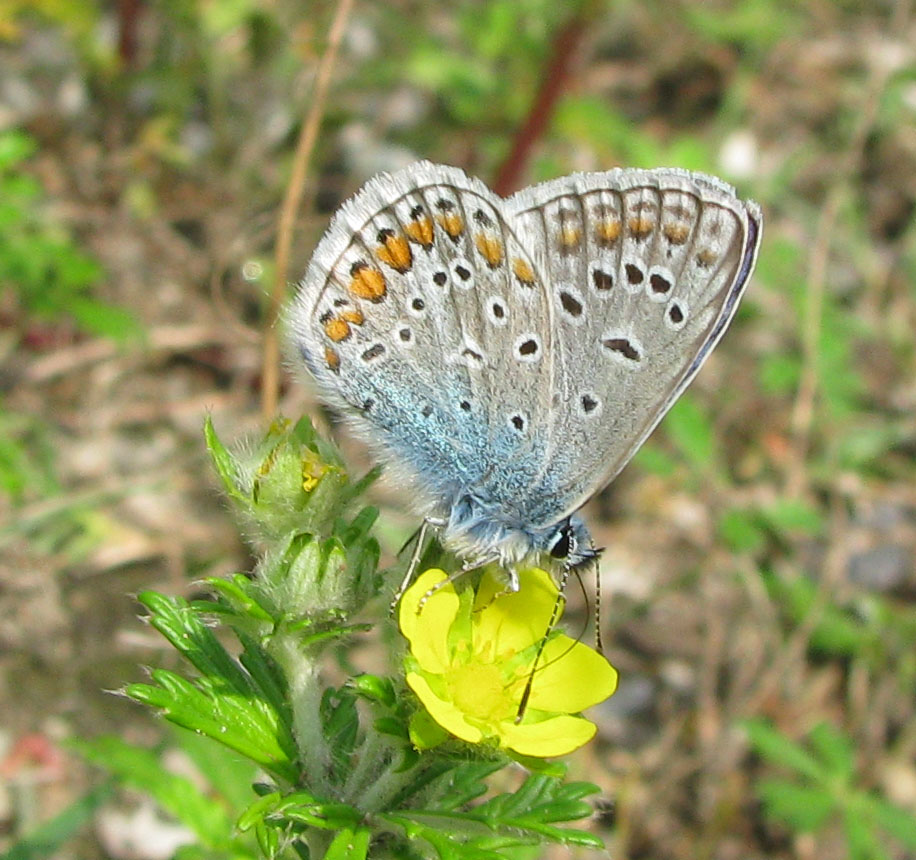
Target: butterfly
[507,357]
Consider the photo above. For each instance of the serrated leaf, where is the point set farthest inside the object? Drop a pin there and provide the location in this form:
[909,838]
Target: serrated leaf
[235,592]
[268,679]
[466,783]
[268,840]
[525,816]
[181,703]
[224,463]
[325,816]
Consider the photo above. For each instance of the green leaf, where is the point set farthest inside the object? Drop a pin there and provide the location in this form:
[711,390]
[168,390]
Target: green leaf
[836,632]
[375,688]
[526,816]
[106,320]
[861,838]
[690,429]
[258,811]
[15,146]
[237,592]
[652,459]
[899,823]
[802,808]
[349,845]
[776,748]
[741,531]
[45,840]
[793,515]
[223,462]
[834,749]
[223,720]
[177,795]
[231,775]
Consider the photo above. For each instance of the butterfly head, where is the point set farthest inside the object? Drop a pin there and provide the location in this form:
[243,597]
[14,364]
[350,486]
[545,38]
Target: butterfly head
[570,544]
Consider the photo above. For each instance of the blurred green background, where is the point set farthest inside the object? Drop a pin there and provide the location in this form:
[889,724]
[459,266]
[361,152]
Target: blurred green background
[759,584]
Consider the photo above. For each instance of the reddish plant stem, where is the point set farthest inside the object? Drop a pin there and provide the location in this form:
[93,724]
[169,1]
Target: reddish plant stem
[553,84]
[128,21]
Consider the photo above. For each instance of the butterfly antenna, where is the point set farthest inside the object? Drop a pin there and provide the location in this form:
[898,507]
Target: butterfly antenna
[598,644]
[554,616]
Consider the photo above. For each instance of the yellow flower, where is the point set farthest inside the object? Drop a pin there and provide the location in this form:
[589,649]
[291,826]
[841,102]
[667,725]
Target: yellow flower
[471,655]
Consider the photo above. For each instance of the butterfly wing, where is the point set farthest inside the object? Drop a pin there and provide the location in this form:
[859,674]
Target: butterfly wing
[645,271]
[422,319]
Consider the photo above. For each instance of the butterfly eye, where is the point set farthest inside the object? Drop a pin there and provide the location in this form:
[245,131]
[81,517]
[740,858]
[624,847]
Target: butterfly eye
[563,544]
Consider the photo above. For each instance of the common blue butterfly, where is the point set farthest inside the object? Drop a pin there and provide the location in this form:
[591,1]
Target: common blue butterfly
[509,356]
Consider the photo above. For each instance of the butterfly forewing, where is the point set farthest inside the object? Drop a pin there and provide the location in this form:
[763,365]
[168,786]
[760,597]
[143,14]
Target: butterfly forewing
[644,271]
[409,316]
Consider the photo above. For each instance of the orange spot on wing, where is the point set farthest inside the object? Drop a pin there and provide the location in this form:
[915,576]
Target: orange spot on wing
[421,231]
[337,329]
[607,231]
[641,226]
[332,358]
[355,316]
[523,271]
[490,248]
[570,236]
[706,257]
[395,252]
[676,232]
[452,224]
[367,282]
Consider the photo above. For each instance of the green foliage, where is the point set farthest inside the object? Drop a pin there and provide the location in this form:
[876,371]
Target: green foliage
[873,630]
[39,261]
[26,457]
[755,25]
[342,777]
[824,788]
[751,529]
[48,838]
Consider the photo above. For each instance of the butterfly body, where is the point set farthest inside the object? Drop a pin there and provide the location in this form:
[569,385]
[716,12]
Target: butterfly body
[508,357]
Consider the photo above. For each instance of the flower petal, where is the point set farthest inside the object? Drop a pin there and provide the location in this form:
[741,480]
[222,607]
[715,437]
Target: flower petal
[510,622]
[444,713]
[554,736]
[427,631]
[571,677]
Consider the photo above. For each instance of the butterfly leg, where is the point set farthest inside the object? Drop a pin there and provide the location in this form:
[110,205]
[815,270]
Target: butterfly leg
[428,522]
[467,567]
[512,586]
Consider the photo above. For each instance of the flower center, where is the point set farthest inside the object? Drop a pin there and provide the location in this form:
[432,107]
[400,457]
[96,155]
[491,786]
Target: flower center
[478,690]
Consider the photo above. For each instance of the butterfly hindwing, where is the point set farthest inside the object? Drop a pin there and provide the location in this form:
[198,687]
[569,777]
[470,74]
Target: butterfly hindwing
[645,270]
